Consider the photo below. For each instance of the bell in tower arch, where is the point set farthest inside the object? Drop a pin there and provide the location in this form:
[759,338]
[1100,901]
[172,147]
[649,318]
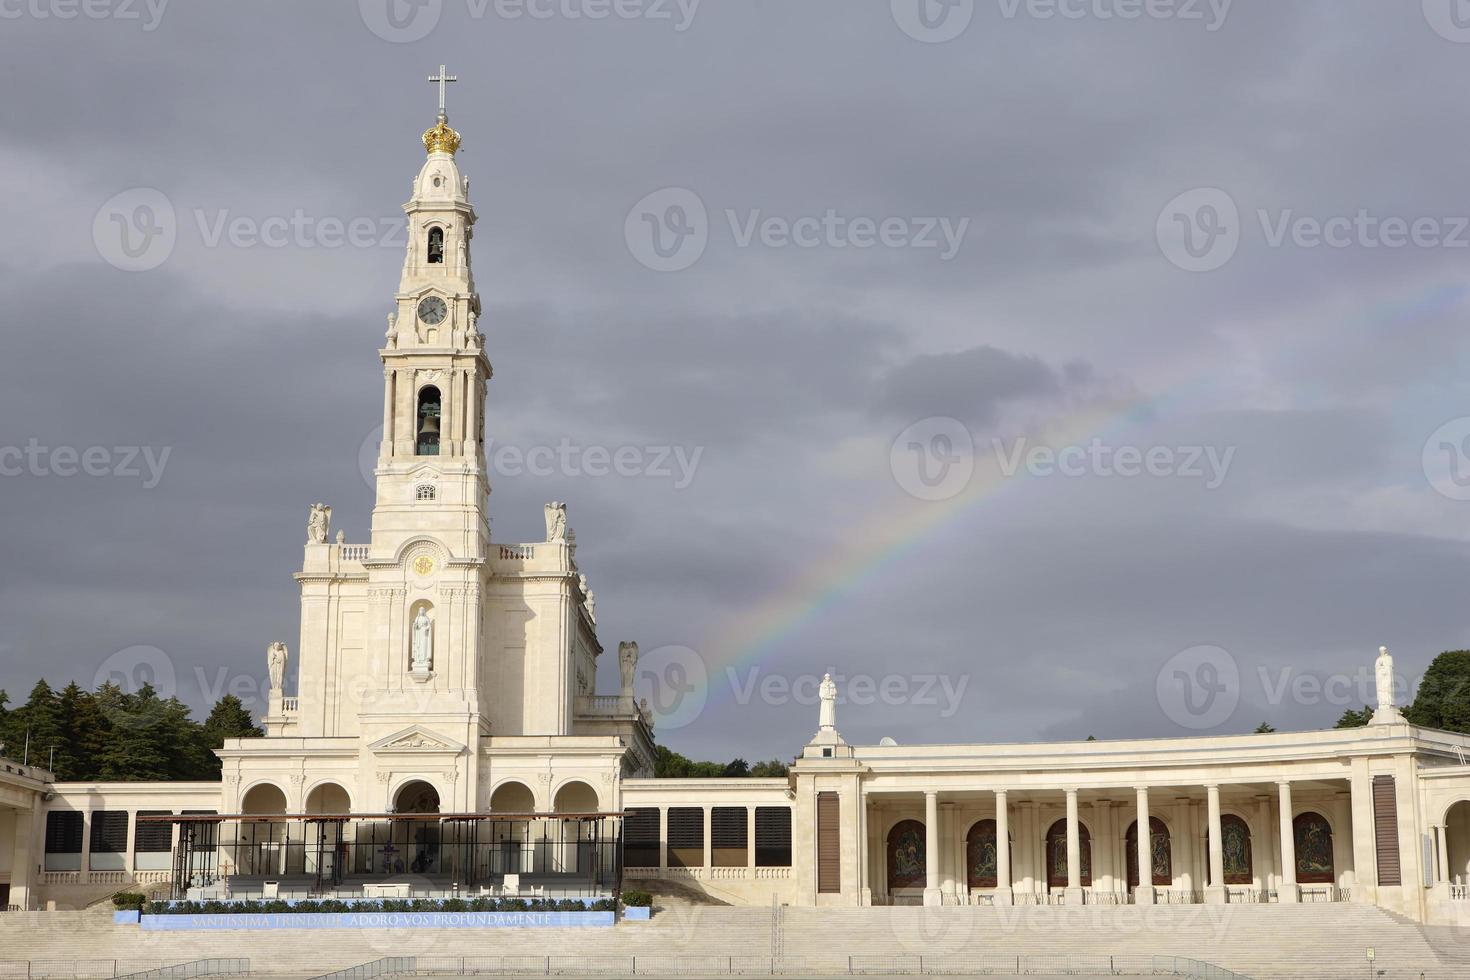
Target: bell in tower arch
[428,422]
[436,246]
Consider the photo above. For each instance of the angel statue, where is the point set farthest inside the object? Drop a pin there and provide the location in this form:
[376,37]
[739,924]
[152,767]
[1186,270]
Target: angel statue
[319,524]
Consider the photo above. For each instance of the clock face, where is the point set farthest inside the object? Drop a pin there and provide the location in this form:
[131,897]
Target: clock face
[432,310]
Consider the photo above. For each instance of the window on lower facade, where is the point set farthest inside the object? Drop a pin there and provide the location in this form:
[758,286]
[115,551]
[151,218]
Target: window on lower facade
[109,840]
[686,836]
[729,837]
[64,841]
[772,837]
[640,837]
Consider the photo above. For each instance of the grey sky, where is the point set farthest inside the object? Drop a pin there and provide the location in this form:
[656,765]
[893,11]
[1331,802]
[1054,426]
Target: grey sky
[1048,603]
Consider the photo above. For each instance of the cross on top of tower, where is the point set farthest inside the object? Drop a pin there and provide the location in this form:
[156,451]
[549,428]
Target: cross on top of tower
[443,79]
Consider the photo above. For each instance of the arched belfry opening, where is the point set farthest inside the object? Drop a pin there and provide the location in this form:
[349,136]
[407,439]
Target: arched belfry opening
[429,412]
[436,246]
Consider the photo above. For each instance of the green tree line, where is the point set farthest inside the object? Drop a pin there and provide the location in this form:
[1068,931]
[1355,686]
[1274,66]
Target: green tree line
[1442,701]
[112,735]
[672,765]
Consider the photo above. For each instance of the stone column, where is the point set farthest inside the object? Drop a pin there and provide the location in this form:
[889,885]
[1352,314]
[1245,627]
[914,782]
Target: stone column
[387,450]
[663,838]
[932,894]
[1025,812]
[85,872]
[472,438]
[1215,893]
[23,857]
[132,858]
[876,870]
[946,849]
[1003,893]
[1365,853]
[1073,894]
[1287,891]
[1262,853]
[709,836]
[1145,892]
[1184,844]
[750,838]
[1442,865]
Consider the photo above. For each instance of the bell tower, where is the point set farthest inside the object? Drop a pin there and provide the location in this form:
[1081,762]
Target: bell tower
[431,474]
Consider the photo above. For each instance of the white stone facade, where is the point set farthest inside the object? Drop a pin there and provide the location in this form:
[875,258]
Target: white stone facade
[433,659]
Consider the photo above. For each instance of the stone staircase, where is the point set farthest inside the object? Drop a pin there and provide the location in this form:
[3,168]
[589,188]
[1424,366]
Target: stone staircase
[1271,942]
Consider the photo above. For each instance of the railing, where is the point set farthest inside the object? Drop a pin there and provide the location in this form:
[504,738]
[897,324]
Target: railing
[290,706]
[194,968]
[355,552]
[517,552]
[61,877]
[387,966]
[75,969]
[712,874]
[1459,893]
[721,966]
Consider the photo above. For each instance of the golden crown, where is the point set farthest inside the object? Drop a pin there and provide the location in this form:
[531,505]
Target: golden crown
[441,139]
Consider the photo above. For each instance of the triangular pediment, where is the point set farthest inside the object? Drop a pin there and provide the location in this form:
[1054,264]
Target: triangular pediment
[417,739]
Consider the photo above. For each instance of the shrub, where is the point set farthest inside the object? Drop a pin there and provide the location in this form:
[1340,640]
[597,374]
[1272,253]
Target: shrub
[634,898]
[129,901]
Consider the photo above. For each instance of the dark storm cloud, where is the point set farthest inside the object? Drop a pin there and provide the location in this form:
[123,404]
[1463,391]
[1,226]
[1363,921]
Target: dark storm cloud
[792,371]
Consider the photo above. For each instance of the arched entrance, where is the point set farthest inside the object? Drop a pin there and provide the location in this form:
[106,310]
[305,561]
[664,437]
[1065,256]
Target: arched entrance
[1235,843]
[326,841]
[261,847]
[416,846]
[1314,863]
[1056,854]
[906,856]
[982,855]
[1457,841]
[1159,849]
[574,852]
[514,851]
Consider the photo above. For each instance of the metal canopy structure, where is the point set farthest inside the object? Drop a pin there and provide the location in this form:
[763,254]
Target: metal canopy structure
[573,852]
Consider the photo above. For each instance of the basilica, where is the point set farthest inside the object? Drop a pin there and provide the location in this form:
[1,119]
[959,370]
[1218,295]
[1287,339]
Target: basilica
[442,734]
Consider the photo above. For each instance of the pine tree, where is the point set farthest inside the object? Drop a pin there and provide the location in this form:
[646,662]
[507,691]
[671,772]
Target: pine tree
[136,750]
[42,725]
[1355,719]
[1443,700]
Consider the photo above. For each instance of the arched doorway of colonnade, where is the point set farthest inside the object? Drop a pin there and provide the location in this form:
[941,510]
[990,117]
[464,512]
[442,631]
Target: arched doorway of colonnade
[1314,860]
[1457,843]
[573,850]
[515,847]
[982,855]
[1056,854]
[416,843]
[1159,849]
[326,842]
[907,868]
[261,845]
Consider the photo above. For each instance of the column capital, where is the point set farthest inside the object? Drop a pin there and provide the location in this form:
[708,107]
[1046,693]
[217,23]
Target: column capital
[1283,783]
[1001,794]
